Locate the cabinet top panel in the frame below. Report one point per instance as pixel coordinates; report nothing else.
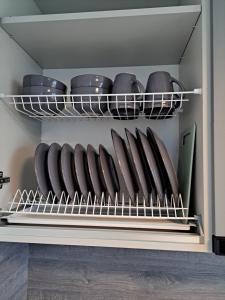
(72, 6)
(152, 36)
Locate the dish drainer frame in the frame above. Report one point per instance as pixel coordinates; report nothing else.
(106, 212)
(160, 105)
(30, 207)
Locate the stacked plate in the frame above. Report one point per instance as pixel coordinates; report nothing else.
(67, 171)
(145, 166)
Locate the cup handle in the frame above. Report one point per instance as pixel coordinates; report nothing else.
(140, 89)
(181, 86)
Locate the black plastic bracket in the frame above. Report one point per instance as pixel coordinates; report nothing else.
(219, 245)
(3, 180)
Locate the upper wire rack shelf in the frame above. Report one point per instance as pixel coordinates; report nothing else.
(117, 106)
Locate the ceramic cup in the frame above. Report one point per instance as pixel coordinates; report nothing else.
(161, 82)
(126, 107)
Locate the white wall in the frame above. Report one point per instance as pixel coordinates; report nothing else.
(18, 8)
(19, 135)
(98, 131)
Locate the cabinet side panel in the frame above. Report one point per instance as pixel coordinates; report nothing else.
(191, 76)
(19, 135)
(219, 114)
(195, 71)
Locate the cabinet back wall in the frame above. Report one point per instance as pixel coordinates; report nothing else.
(97, 132)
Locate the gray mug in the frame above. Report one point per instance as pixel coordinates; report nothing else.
(126, 107)
(161, 82)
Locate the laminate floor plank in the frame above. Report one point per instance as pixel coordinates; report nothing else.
(79, 253)
(58, 272)
(20, 294)
(13, 271)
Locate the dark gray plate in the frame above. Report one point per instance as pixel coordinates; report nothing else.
(94, 171)
(109, 172)
(81, 168)
(159, 161)
(152, 164)
(147, 171)
(55, 171)
(68, 170)
(168, 166)
(125, 165)
(41, 169)
(136, 156)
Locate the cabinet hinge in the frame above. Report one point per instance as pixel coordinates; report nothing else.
(3, 180)
(219, 245)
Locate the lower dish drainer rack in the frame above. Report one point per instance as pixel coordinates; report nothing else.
(30, 207)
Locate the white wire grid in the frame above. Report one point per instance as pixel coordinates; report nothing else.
(118, 106)
(32, 202)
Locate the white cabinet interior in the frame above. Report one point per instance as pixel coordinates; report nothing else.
(186, 57)
(105, 39)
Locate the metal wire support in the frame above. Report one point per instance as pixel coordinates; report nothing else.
(32, 202)
(117, 106)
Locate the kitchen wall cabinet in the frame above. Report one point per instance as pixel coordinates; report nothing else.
(26, 47)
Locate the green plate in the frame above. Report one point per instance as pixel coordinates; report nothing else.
(185, 166)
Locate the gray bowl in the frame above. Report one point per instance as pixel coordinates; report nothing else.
(40, 80)
(91, 80)
(52, 104)
(96, 105)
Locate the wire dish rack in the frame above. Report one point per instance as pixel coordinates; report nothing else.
(32, 207)
(117, 106)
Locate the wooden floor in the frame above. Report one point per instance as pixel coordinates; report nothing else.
(63, 272)
(43, 272)
(13, 271)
